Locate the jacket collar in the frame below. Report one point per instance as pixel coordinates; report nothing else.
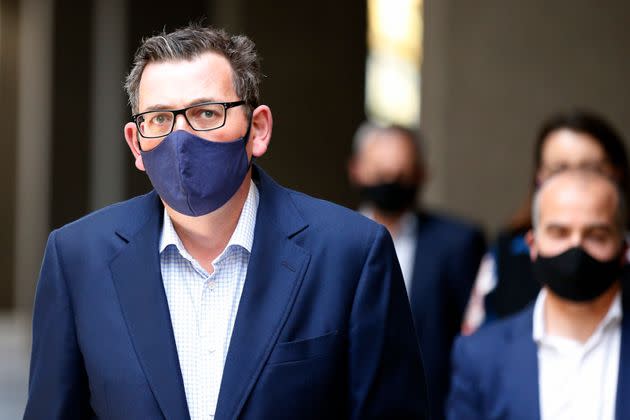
(138, 281)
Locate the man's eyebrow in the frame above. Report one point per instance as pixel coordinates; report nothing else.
(158, 107)
(556, 225)
(602, 226)
(164, 107)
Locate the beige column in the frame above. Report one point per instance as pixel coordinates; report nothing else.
(8, 93)
(109, 109)
(33, 145)
(493, 71)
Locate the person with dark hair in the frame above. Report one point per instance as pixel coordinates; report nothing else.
(439, 255)
(576, 139)
(220, 294)
(567, 356)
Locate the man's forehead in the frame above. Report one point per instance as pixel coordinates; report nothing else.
(386, 141)
(388, 155)
(579, 181)
(586, 223)
(576, 198)
(207, 75)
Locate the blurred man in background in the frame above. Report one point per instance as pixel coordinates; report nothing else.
(574, 139)
(568, 355)
(439, 256)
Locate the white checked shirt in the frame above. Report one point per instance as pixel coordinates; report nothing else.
(578, 380)
(203, 306)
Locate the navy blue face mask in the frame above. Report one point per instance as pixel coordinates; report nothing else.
(196, 176)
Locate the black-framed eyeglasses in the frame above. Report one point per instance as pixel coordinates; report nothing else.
(205, 116)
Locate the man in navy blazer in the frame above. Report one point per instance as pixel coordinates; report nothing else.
(567, 356)
(439, 255)
(315, 320)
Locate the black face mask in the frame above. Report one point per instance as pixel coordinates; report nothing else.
(391, 197)
(575, 275)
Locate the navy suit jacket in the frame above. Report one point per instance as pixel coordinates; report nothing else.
(323, 329)
(448, 253)
(495, 371)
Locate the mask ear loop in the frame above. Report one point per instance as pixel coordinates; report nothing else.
(139, 144)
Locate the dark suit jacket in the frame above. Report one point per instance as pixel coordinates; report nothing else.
(323, 329)
(495, 371)
(448, 254)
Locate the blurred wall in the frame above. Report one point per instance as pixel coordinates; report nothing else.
(33, 141)
(8, 95)
(493, 70)
(313, 56)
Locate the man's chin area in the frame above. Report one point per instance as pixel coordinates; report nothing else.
(182, 216)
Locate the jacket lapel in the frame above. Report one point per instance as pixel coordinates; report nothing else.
(138, 281)
(425, 265)
(521, 373)
(275, 272)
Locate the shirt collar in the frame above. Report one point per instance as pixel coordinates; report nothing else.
(243, 235)
(408, 225)
(613, 315)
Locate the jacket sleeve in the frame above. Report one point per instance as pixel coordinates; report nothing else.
(463, 400)
(386, 378)
(58, 387)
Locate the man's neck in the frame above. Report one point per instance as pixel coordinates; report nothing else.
(205, 237)
(577, 320)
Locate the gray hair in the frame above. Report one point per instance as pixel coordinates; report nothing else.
(585, 176)
(191, 41)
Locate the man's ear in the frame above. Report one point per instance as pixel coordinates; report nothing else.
(260, 132)
(533, 251)
(131, 136)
